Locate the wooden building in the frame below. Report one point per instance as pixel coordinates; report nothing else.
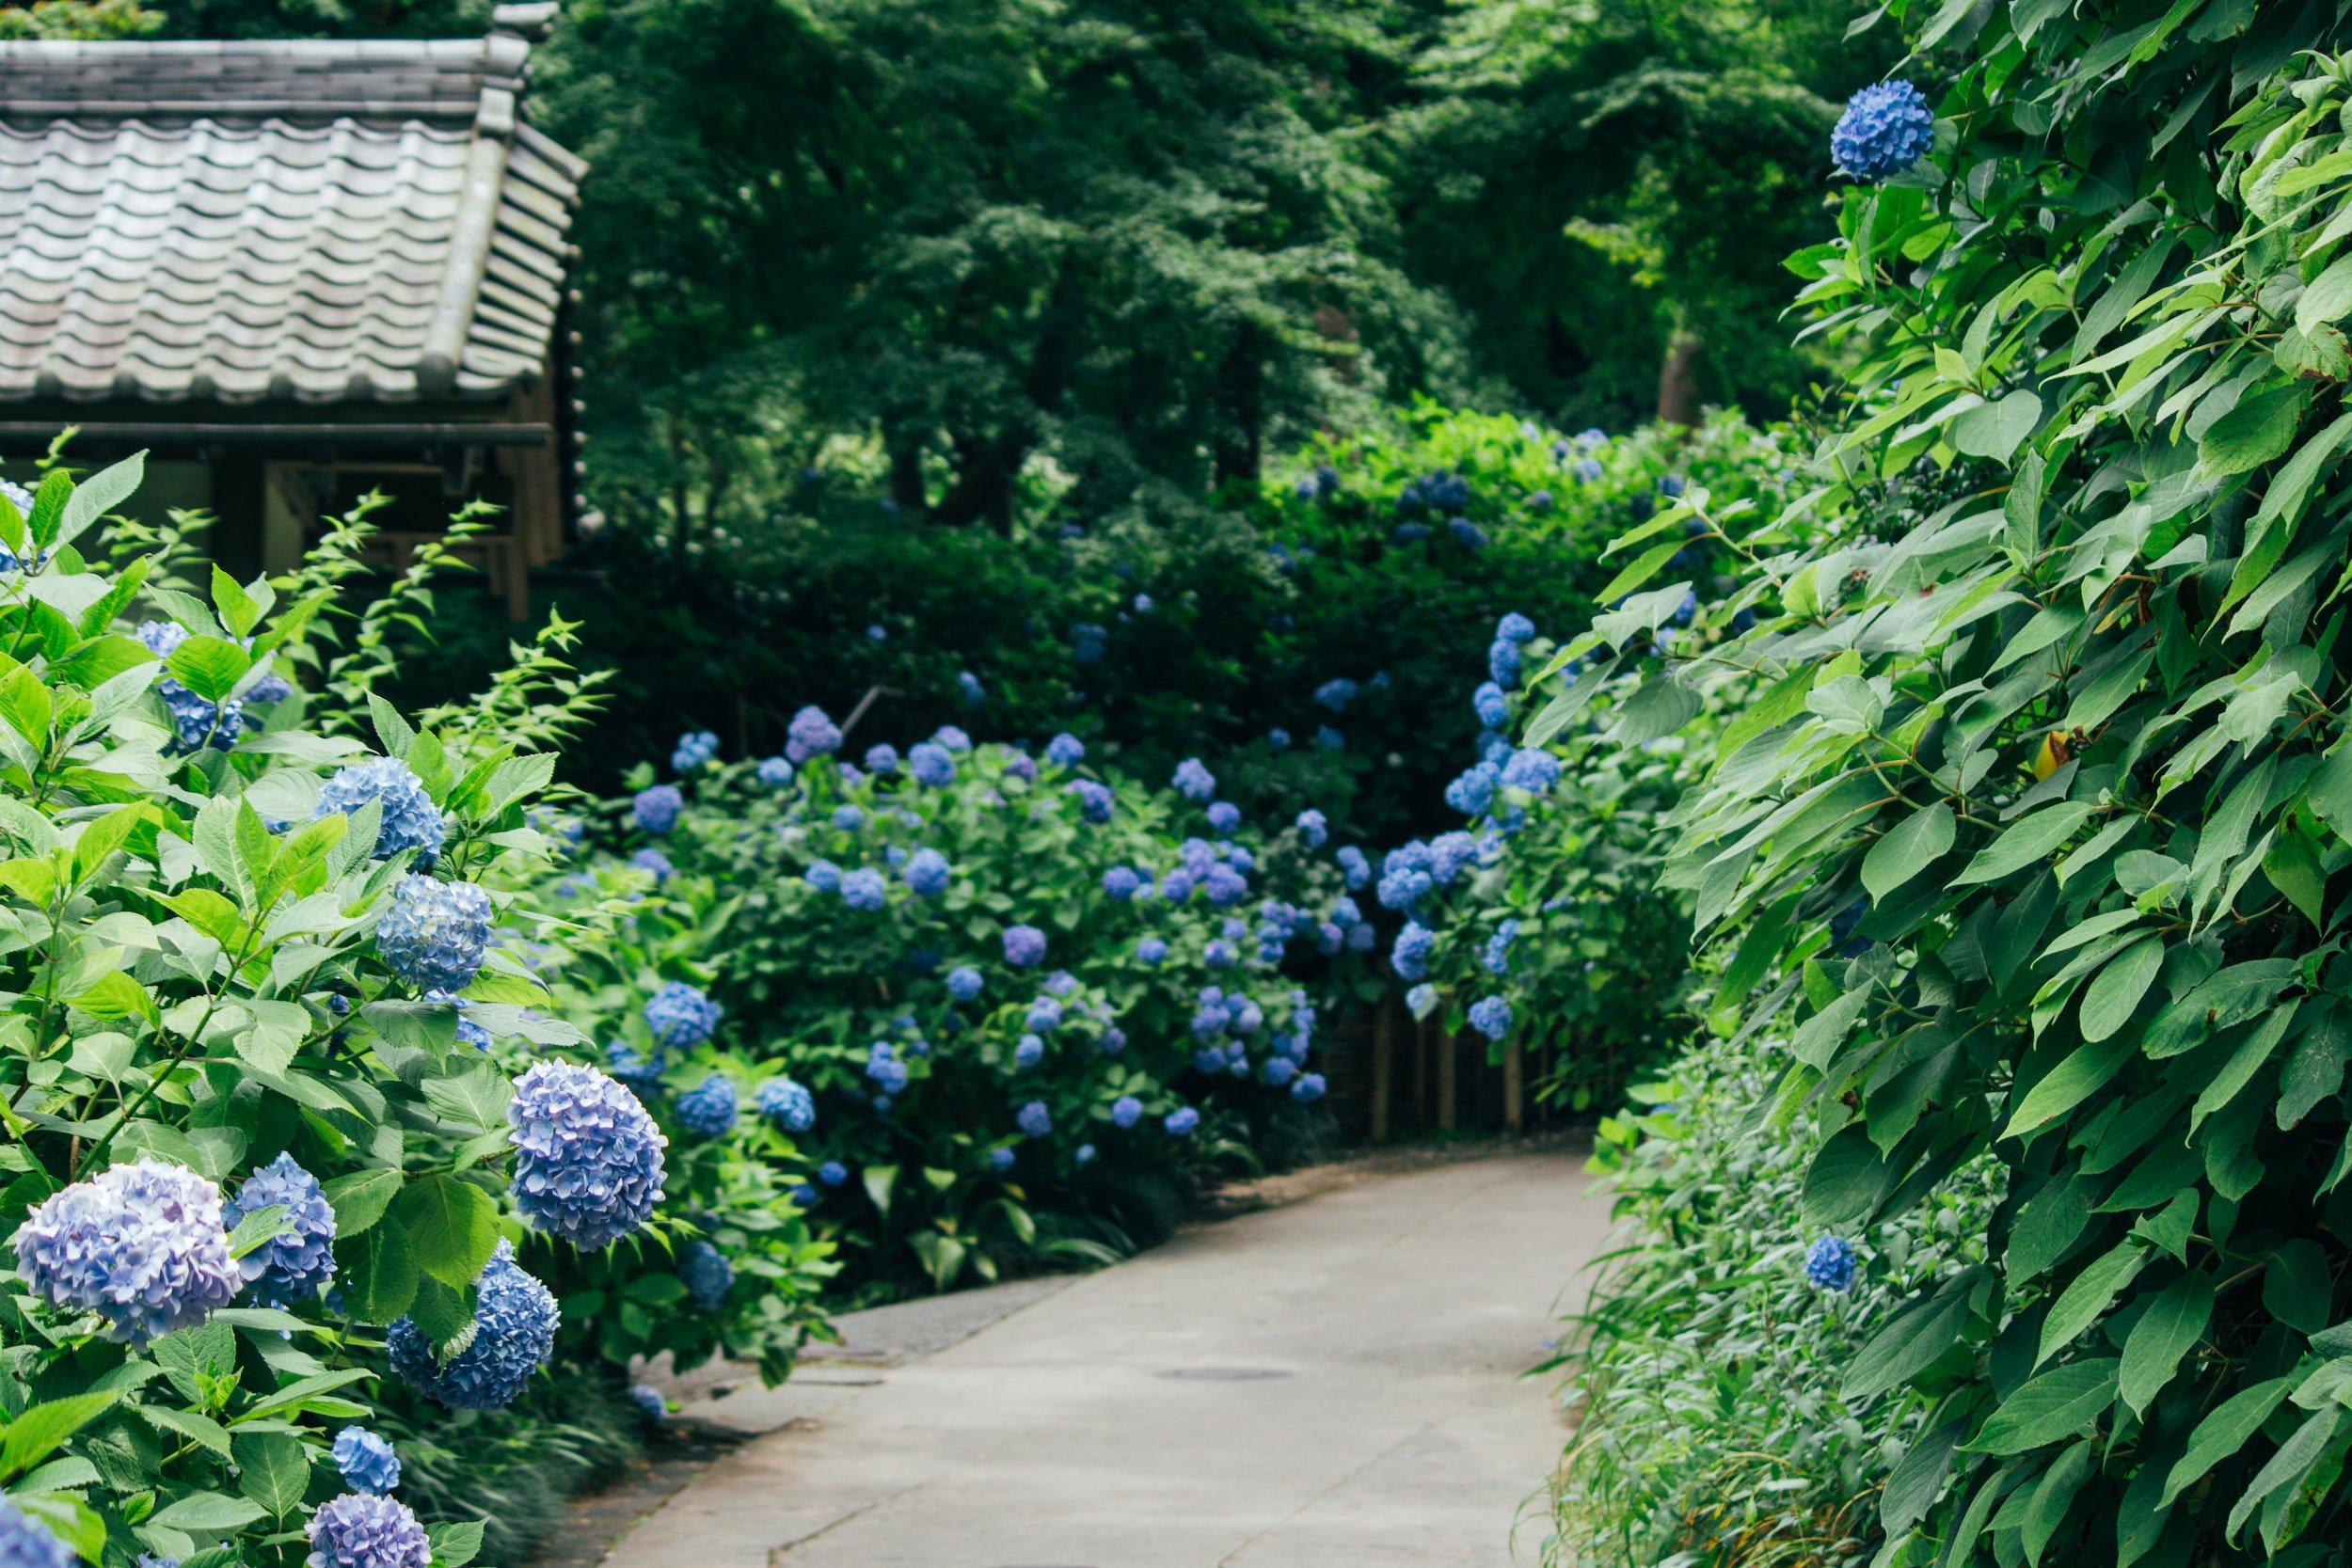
(295, 272)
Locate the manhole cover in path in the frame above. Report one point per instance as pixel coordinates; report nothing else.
(1221, 1374)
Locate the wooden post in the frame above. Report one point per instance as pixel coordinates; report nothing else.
(1383, 1053)
(1514, 1089)
(1449, 1076)
(1420, 1075)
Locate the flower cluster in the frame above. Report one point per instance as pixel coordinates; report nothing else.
(410, 822)
(514, 1333)
(705, 1274)
(25, 1541)
(681, 1016)
(366, 1461)
(588, 1161)
(434, 934)
(142, 1245)
(299, 1261)
(811, 734)
(362, 1529)
(708, 1110)
(1829, 1263)
(696, 748)
(788, 1104)
(1886, 129)
(655, 809)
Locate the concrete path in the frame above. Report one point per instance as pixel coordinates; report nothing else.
(1331, 1385)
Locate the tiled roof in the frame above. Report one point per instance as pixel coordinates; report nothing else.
(304, 220)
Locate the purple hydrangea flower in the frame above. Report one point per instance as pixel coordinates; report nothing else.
(1126, 1111)
(1065, 750)
(1354, 868)
(1034, 1120)
(775, 772)
(1491, 1017)
(927, 873)
(360, 1529)
(143, 1245)
(932, 765)
(298, 1262)
(811, 734)
(1224, 816)
(864, 890)
(588, 1163)
(1025, 946)
(434, 933)
(1314, 828)
(1151, 951)
(656, 810)
(1194, 782)
(411, 819)
(964, 982)
(1409, 957)
(513, 1321)
(1182, 1122)
(25, 1541)
(1095, 802)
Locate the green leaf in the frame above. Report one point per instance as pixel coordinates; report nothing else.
(237, 608)
(452, 1225)
(455, 1545)
(1996, 429)
(476, 1097)
(1907, 848)
(2298, 1286)
(209, 667)
(207, 1511)
(2257, 430)
(2168, 1330)
(97, 496)
(2223, 1432)
(2326, 298)
(275, 1470)
(2054, 1406)
(2087, 1296)
(1846, 1180)
(1915, 1484)
(1912, 1342)
(257, 1228)
(881, 1181)
(2053, 1498)
(2027, 842)
(379, 1273)
(442, 1313)
(1659, 708)
(360, 1198)
(2082, 1073)
(1640, 570)
(2114, 994)
(37, 1434)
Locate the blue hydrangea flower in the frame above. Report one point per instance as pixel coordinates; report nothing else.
(1027, 1052)
(1497, 957)
(1277, 1072)
(775, 772)
(1034, 1120)
(882, 757)
(1887, 128)
(1044, 1016)
(1409, 956)
(964, 982)
(25, 1541)
(1021, 766)
(1467, 533)
(811, 734)
(1587, 471)
(1474, 791)
(360, 1529)
(707, 1109)
(1493, 708)
(824, 876)
(1503, 663)
(863, 889)
(1330, 739)
(1491, 1017)
(833, 1173)
(1182, 1121)
(1151, 951)
(1308, 1089)
(705, 1272)
(1126, 1111)
(1515, 627)
(1421, 998)
(649, 1401)
(1354, 868)
(1066, 750)
(656, 810)
(883, 1066)
(932, 765)
(1194, 782)
(848, 819)
(696, 748)
(514, 1320)
(948, 737)
(638, 1073)
(1314, 828)
(1336, 693)
(969, 685)
(927, 873)
(787, 1104)
(298, 1262)
(1829, 1263)
(588, 1163)
(1405, 876)
(1176, 887)
(368, 1463)
(411, 819)
(680, 1016)
(1278, 741)
(1119, 883)
(1449, 855)
(653, 863)
(1224, 816)
(1025, 946)
(1224, 886)
(1535, 771)
(434, 933)
(1112, 1041)
(1095, 802)
(143, 1245)
(1087, 642)
(1000, 1159)
(1219, 954)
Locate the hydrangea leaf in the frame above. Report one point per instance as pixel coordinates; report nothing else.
(451, 1225)
(2056, 1404)
(274, 1470)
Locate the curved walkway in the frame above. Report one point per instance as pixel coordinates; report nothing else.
(1334, 1384)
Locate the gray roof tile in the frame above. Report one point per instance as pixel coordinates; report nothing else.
(237, 221)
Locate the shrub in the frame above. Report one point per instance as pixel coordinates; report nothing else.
(232, 1068)
(2037, 812)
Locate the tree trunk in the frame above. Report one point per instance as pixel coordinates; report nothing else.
(1240, 412)
(1677, 382)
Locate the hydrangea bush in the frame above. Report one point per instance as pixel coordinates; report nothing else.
(256, 1076)
(953, 1003)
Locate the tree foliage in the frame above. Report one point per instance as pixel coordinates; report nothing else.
(2067, 757)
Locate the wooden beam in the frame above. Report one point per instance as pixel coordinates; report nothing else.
(452, 434)
(1383, 1058)
(1449, 1084)
(1514, 1088)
